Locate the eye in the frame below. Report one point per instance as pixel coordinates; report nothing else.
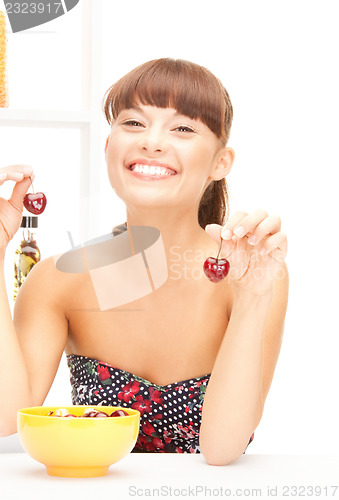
(132, 123)
(184, 128)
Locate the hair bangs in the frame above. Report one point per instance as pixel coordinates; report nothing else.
(187, 87)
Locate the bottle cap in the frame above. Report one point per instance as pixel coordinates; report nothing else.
(29, 222)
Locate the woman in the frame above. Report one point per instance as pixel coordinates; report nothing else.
(196, 358)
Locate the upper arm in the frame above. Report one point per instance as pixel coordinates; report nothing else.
(41, 326)
(274, 329)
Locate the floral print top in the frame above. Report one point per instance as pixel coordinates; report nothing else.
(170, 415)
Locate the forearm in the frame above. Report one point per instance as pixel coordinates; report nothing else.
(233, 400)
(14, 382)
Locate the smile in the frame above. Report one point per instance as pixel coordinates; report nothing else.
(153, 172)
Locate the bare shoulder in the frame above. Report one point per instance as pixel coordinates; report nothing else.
(47, 284)
(44, 272)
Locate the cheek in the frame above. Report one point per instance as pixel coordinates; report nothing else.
(113, 163)
(112, 149)
(201, 161)
(119, 146)
(114, 152)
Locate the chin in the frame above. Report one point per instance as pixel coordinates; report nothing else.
(147, 199)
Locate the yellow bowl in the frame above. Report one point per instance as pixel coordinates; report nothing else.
(77, 447)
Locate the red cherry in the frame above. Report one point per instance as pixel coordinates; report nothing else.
(35, 202)
(216, 269)
(101, 414)
(90, 414)
(119, 413)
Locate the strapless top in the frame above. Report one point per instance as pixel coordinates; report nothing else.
(170, 415)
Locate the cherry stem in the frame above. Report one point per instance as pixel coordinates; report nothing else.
(32, 184)
(219, 247)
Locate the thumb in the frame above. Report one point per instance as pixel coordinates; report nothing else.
(19, 191)
(214, 230)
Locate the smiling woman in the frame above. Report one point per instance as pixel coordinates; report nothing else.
(191, 91)
(187, 145)
(196, 358)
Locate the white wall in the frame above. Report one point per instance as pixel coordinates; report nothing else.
(279, 64)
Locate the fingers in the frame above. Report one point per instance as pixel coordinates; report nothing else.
(214, 231)
(227, 230)
(276, 246)
(23, 176)
(270, 225)
(15, 173)
(262, 231)
(255, 226)
(19, 191)
(227, 248)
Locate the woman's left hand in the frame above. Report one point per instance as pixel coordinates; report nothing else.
(255, 248)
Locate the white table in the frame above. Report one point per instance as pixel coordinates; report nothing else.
(157, 475)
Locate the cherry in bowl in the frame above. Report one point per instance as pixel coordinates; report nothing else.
(73, 445)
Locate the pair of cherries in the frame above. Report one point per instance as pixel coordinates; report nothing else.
(35, 202)
(215, 269)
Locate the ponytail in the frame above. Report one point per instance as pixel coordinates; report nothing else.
(214, 204)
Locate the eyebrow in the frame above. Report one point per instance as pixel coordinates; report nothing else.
(137, 108)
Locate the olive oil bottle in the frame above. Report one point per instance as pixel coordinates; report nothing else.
(27, 254)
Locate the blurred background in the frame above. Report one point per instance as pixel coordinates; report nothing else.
(277, 61)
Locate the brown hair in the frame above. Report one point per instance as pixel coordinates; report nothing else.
(193, 91)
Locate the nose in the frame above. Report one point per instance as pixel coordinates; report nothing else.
(153, 140)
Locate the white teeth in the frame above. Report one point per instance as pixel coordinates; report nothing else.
(150, 170)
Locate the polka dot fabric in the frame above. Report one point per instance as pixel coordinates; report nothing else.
(170, 415)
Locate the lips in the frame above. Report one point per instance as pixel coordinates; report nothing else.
(151, 163)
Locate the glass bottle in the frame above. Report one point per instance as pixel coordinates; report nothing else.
(27, 254)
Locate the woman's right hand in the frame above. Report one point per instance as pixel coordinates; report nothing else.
(11, 210)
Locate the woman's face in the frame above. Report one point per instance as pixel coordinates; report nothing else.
(147, 136)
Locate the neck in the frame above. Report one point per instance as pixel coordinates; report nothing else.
(186, 243)
(176, 229)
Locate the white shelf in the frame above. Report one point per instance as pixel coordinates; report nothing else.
(88, 119)
(44, 118)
